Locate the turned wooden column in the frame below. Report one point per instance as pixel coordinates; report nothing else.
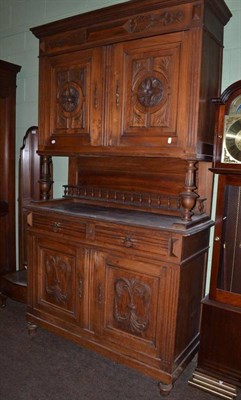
(189, 196)
(45, 177)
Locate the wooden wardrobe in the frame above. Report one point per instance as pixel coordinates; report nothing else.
(118, 265)
(8, 74)
(31, 179)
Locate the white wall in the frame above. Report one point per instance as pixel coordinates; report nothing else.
(18, 45)
(232, 45)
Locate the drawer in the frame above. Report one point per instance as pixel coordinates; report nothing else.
(59, 225)
(133, 239)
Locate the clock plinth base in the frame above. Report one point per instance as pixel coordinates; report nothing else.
(220, 345)
(213, 386)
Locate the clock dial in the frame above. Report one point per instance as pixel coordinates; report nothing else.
(231, 153)
(227, 150)
(233, 139)
(235, 106)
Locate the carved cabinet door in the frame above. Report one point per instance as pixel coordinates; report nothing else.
(127, 298)
(146, 91)
(71, 101)
(56, 269)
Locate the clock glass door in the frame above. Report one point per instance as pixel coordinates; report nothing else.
(229, 276)
(226, 277)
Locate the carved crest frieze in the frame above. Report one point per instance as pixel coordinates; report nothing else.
(132, 300)
(143, 23)
(70, 39)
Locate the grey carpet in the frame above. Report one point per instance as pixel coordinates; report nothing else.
(48, 367)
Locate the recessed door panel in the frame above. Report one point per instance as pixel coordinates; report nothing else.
(127, 295)
(56, 285)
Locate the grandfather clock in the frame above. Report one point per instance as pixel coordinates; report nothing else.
(219, 360)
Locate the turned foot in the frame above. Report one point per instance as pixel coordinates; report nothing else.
(165, 388)
(32, 328)
(3, 300)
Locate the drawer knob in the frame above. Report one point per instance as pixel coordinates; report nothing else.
(56, 226)
(128, 242)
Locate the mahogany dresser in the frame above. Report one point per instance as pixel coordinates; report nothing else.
(118, 264)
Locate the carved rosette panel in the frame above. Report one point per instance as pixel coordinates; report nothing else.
(132, 300)
(71, 99)
(150, 92)
(58, 279)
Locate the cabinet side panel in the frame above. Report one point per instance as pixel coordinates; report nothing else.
(189, 305)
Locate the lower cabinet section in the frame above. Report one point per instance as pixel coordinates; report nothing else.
(143, 311)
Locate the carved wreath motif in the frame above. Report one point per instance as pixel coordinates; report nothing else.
(57, 278)
(69, 98)
(132, 305)
(150, 92)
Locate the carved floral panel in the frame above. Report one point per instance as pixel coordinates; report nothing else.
(132, 305)
(151, 75)
(57, 279)
(149, 97)
(150, 91)
(71, 98)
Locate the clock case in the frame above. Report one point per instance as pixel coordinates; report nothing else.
(219, 363)
(225, 284)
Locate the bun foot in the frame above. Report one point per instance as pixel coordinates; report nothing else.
(32, 328)
(3, 300)
(165, 389)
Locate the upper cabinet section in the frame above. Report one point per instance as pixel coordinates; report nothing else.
(132, 79)
(71, 97)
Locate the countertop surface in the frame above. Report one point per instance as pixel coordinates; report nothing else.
(121, 216)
